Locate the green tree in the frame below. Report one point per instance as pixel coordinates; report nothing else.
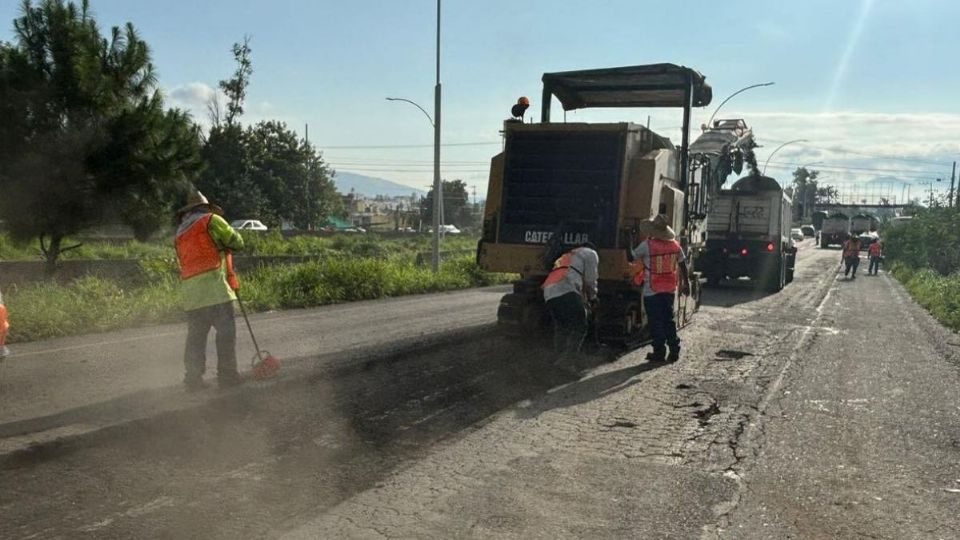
(296, 183)
(804, 192)
(455, 199)
(85, 137)
(265, 171)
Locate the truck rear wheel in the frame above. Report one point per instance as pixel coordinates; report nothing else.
(823, 243)
(775, 277)
(791, 263)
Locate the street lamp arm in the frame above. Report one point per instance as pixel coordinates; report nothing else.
(765, 163)
(425, 113)
(722, 103)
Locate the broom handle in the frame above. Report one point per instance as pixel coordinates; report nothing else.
(250, 328)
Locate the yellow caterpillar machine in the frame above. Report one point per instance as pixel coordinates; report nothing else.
(577, 182)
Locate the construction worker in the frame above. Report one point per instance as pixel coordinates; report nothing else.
(665, 270)
(851, 256)
(202, 238)
(876, 254)
(568, 289)
(4, 329)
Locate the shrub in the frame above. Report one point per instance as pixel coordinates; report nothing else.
(93, 304)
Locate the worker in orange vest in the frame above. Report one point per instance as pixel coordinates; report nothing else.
(876, 254)
(569, 288)
(665, 272)
(4, 328)
(203, 237)
(851, 256)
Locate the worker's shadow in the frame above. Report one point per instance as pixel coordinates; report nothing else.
(586, 390)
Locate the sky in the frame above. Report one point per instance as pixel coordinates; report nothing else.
(871, 84)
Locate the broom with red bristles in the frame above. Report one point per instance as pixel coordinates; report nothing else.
(262, 367)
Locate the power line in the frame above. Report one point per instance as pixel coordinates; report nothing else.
(381, 146)
(914, 159)
(870, 169)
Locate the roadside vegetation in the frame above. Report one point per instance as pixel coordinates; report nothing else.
(93, 304)
(257, 244)
(925, 257)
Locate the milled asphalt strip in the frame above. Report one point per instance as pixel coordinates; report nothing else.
(753, 428)
(85, 422)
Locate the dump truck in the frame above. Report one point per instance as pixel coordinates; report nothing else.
(862, 223)
(836, 229)
(568, 183)
(748, 234)
(817, 219)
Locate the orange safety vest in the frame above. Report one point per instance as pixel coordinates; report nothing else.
(638, 275)
(196, 249)
(664, 263)
(4, 325)
(851, 249)
(560, 269)
(875, 249)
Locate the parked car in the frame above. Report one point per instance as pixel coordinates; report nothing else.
(4, 329)
(808, 231)
(796, 235)
(449, 229)
(248, 225)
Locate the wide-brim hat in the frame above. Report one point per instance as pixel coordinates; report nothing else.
(197, 200)
(657, 228)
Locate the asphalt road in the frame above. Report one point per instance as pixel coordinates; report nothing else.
(788, 416)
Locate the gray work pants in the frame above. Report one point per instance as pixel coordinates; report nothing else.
(199, 322)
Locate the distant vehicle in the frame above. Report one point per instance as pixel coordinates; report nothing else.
(818, 218)
(866, 239)
(248, 225)
(748, 234)
(835, 230)
(4, 328)
(360, 230)
(797, 235)
(862, 223)
(899, 220)
(448, 229)
(808, 231)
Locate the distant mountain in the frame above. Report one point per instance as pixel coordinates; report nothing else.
(371, 186)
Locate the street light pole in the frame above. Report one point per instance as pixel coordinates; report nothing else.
(710, 122)
(437, 197)
(437, 187)
(765, 163)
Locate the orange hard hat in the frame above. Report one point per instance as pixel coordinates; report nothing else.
(523, 101)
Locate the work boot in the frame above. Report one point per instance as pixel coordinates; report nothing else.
(229, 381)
(673, 356)
(195, 385)
(654, 357)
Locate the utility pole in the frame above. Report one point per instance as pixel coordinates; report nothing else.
(306, 185)
(953, 176)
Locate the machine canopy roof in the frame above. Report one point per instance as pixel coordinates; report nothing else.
(654, 85)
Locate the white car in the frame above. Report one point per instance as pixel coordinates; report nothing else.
(248, 225)
(797, 235)
(449, 229)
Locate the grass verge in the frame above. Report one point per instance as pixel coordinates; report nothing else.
(938, 294)
(93, 304)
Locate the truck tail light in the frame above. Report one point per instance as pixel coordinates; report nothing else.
(743, 252)
(770, 247)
